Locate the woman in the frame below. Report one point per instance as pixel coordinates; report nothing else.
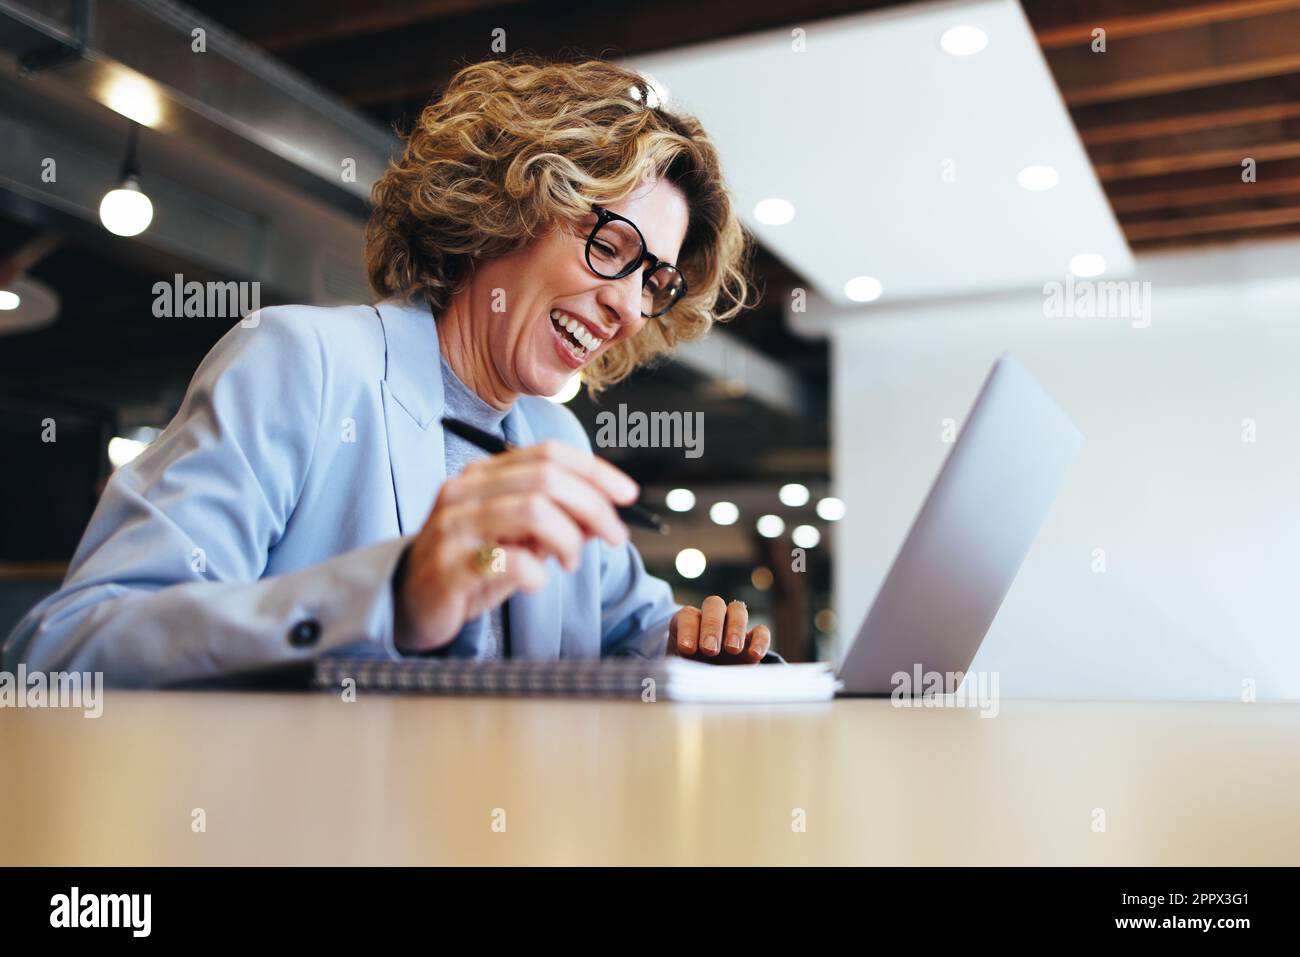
(543, 221)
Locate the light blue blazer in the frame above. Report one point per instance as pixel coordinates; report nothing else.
(264, 523)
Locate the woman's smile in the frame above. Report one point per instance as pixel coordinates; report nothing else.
(575, 342)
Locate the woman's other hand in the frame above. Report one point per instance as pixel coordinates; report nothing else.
(718, 632)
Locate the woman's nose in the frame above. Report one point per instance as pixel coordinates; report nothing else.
(620, 299)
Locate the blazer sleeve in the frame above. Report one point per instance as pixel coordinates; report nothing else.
(165, 585)
(635, 605)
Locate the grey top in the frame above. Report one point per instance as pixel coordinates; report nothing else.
(464, 404)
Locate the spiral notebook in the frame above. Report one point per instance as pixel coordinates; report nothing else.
(671, 678)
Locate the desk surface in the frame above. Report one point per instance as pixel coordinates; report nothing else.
(300, 779)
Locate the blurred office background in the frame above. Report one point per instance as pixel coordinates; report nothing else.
(915, 176)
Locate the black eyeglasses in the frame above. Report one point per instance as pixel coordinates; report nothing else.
(616, 249)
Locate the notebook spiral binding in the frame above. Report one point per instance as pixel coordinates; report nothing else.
(603, 679)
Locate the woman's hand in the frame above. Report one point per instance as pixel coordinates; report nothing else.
(718, 633)
(532, 503)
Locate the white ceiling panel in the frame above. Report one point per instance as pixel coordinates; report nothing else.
(901, 160)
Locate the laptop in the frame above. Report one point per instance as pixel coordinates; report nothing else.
(968, 542)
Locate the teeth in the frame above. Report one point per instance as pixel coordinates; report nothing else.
(576, 329)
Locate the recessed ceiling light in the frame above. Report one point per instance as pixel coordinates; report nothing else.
(964, 40)
(793, 494)
(774, 212)
(1038, 178)
(9, 300)
(724, 513)
(770, 526)
(691, 563)
(1087, 264)
(830, 509)
(806, 536)
(680, 499)
(863, 289)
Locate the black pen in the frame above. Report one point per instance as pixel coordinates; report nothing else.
(634, 514)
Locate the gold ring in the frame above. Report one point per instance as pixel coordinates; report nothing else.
(489, 560)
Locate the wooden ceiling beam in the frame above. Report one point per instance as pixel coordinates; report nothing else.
(1190, 58)
(1115, 121)
(1059, 25)
(1190, 123)
(1161, 165)
(1211, 207)
(1202, 188)
(1229, 147)
(1161, 244)
(1217, 223)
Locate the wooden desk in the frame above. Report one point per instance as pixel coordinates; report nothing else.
(297, 779)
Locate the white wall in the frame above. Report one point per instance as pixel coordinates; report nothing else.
(1201, 530)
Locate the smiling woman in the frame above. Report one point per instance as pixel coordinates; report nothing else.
(516, 149)
(542, 221)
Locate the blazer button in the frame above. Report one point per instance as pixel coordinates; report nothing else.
(304, 633)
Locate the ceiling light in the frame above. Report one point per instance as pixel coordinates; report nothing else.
(724, 513)
(133, 96)
(806, 536)
(830, 509)
(863, 289)
(793, 495)
(126, 210)
(691, 563)
(27, 304)
(1087, 264)
(770, 526)
(680, 500)
(774, 212)
(1038, 178)
(963, 41)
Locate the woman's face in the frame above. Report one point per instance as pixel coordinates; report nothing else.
(526, 295)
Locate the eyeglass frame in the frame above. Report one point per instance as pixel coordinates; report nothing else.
(604, 217)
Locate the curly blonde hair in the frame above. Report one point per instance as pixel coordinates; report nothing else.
(519, 146)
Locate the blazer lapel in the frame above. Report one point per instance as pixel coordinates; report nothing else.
(534, 618)
(413, 403)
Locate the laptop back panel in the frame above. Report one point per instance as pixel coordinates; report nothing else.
(970, 538)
